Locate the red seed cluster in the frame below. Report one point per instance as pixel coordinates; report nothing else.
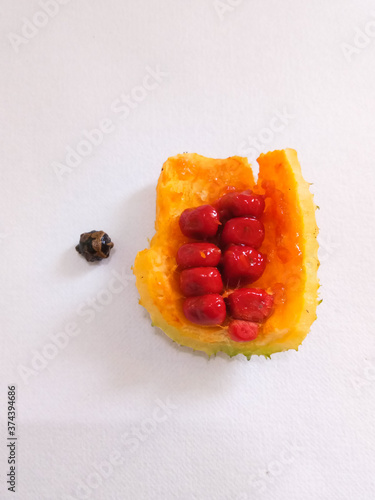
(228, 256)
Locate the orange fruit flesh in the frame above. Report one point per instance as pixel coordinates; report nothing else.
(190, 180)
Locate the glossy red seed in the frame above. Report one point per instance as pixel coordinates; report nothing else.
(243, 264)
(243, 331)
(198, 255)
(243, 231)
(199, 223)
(208, 310)
(250, 304)
(244, 204)
(200, 281)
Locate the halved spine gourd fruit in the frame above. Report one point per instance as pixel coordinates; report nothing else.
(238, 275)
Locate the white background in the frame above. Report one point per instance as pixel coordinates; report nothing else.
(298, 427)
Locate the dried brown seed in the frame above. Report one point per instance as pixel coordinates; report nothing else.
(94, 246)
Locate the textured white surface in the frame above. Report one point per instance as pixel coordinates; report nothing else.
(300, 426)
